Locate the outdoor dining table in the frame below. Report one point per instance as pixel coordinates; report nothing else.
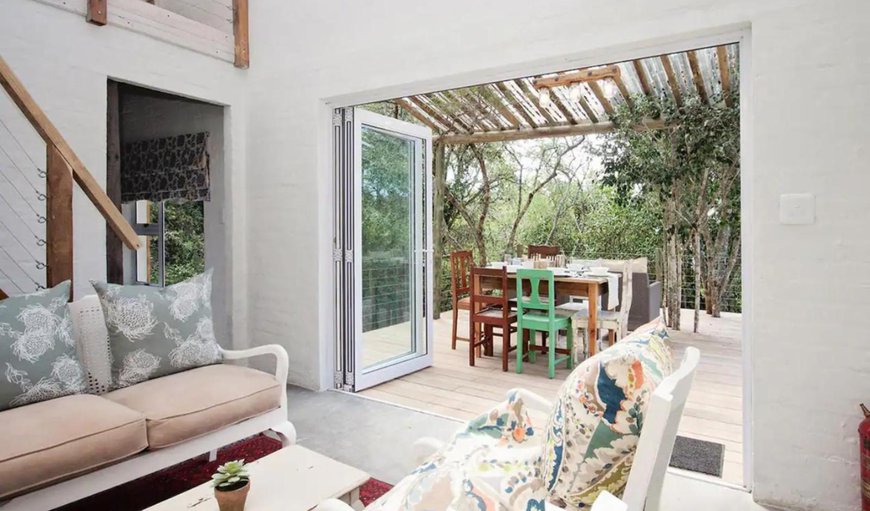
(584, 286)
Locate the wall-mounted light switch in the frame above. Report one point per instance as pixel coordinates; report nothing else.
(797, 208)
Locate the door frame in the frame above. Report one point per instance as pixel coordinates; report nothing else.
(740, 33)
(352, 375)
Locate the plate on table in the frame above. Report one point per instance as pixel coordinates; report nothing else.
(559, 271)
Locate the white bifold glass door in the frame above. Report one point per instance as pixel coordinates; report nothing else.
(383, 268)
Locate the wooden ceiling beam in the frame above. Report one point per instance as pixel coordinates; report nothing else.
(641, 75)
(502, 106)
(451, 126)
(581, 76)
(724, 73)
(530, 95)
(419, 116)
(242, 46)
(515, 102)
(697, 77)
(560, 105)
(672, 79)
(623, 89)
(599, 94)
(98, 12)
(546, 132)
(459, 105)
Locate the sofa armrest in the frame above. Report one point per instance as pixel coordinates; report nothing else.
(282, 362)
(334, 505)
(608, 502)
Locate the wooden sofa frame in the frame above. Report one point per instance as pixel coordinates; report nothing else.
(148, 462)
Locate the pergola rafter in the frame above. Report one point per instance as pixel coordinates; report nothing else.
(512, 109)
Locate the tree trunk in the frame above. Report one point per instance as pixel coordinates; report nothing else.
(438, 227)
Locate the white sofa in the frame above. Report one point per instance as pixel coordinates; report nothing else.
(59, 451)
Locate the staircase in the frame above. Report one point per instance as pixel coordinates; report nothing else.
(35, 228)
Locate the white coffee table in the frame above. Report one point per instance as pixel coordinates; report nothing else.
(291, 479)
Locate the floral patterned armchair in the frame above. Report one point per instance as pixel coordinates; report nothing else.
(610, 432)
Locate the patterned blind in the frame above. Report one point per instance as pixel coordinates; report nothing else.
(174, 167)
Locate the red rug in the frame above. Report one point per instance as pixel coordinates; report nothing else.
(159, 486)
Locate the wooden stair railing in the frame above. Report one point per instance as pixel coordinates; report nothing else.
(63, 167)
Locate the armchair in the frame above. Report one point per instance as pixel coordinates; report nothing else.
(642, 491)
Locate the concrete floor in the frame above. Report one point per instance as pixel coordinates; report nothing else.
(363, 433)
(377, 437)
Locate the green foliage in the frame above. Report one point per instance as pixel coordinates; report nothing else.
(185, 241)
(231, 475)
(386, 192)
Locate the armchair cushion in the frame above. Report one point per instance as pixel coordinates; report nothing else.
(489, 465)
(593, 433)
(155, 332)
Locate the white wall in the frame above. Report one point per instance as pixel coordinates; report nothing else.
(65, 63)
(810, 71)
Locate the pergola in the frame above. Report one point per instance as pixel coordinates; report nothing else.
(513, 110)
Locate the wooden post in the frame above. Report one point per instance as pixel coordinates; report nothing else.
(114, 246)
(240, 33)
(98, 12)
(3, 295)
(438, 225)
(59, 218)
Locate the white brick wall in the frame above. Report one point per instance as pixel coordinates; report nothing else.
(809, 131)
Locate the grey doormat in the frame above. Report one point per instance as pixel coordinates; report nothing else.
(698, 456)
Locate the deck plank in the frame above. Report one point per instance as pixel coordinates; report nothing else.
(452, 388)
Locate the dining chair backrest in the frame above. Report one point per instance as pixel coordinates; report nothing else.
(461, 262)
(625, 304)
(481, 296)
(532, 279)
(543, 251)
(656, 444)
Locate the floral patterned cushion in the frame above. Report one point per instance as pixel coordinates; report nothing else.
(155, 331)
(37, 351)
(489, 465)
(593, 433)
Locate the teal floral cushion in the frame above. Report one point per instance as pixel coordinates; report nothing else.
(37, 350)
(594, 430)
(156, 331)
(489, 465)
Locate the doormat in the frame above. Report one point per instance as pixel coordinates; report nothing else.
(698, 456)
(159, 486)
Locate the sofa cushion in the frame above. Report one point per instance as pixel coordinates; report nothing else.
(593, 433)
(47, 442)
(193, 403)
(37, 352)
(158, 331)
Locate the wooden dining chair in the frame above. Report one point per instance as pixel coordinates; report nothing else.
(543, 251)
(461, 262)
(491, 314)
(537, 313)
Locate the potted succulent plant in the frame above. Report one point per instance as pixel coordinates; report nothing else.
(231, 485)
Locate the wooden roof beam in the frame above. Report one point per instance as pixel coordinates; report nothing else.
(516, 103)
(623, 89)
(417, 115)
(560, 105)
(502, 106)
(697, 77)
(530, 95)
(599, 94)
(584, 75)
(641, 75)
(458, 103)
(452, 126)
(546, 132)
(672, 79)
(725, 73)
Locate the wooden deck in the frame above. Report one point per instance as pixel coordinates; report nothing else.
(452, 388)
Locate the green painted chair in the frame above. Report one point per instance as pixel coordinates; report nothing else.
(538, 314)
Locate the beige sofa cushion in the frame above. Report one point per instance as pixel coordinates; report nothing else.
(47, 442)
(639, 265)
(193, 403)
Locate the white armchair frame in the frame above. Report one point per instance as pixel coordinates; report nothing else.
(644, 487)
(148, 462)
